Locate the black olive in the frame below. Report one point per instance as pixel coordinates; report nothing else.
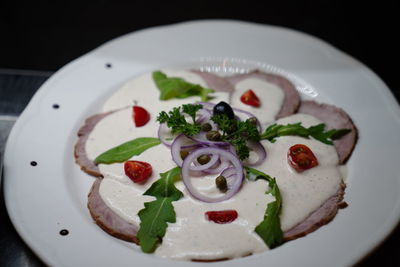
(221, 184)
(206, 127)
(224, 108)
(203, 159)
(213, 136)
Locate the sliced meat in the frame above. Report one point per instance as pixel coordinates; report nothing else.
(215, 82)
(81, 157)
(116, 226)
(291, 100)
(334, 117)
(323, 215)
(107, 219)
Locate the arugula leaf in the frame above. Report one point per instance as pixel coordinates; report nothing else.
(237, 133)
(164, 187)
(177, 122)
(317, 131)
(156, 214)
(172, 87)
(154, 218)
(270, 228)
(127, 150)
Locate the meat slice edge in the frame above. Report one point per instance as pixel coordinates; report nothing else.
(323, 215)
(107, 219)
(116, 226)
(291, 101)
(81, 158)
(215, 82)
(337, 118)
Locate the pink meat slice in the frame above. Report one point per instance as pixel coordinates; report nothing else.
(291, 100)
(323, 215)
(337, 118)
(81, 158)
(116, 226)
(107, 219)
(215, 82)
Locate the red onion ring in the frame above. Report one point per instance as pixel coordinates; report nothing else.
(259, 149)
(185, 172)
(228, 172)
(203, 115)
(163, 131)
(202, 139)
(223, 164)
(177, 146)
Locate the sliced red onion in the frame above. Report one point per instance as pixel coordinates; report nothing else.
(164, 133)
(202, 138)
(199, 167)
(234, 187)
(223, 164)
(179, 143)
(259, 149)
(207, 105)
(228, 172)
(203, 115)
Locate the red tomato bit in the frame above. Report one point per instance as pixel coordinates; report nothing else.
(250, 98)
(301, 158)
(222, 216)
(138, 171)
(140, 116)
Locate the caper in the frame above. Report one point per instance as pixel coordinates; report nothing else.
(203, 159)
(223, 108)
(213, 136)
(184, 154)
(206, 127)
(221, 184)
(253, 120)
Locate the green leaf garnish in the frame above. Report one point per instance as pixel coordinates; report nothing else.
(237, 133)
(176, 120)
(270, 227)
(164, 187)
(173, 87)
(156, 214)
(154, 218)
(317, 131)
(127, 150)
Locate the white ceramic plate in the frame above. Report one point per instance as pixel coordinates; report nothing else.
(51, 196)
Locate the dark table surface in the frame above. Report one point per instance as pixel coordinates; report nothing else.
(45, 36)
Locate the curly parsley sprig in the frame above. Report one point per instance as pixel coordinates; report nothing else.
(237, 133)
(176, 120)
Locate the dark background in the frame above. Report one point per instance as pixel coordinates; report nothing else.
(47, 35)
(44, 36)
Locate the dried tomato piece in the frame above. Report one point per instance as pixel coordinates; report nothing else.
(250, 98)
(301, 158)
(138, 171)
(222, 216)
(140, 116)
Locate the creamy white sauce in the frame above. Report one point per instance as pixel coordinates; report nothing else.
(192, 236)
(271, 98)
(143, 91)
